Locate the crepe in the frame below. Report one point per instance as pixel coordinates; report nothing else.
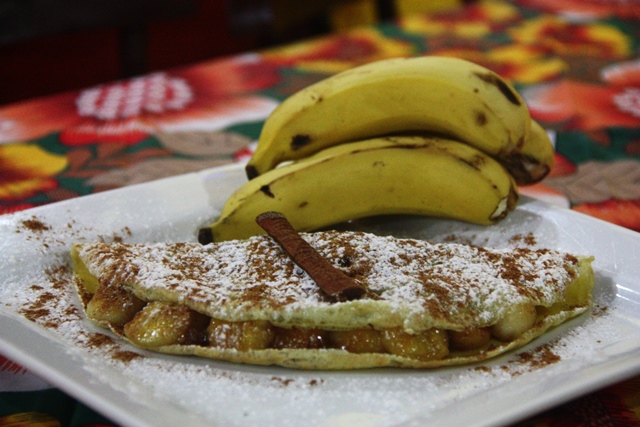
(426, 304)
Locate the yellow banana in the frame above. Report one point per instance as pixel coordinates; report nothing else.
(421, 175)
(442, 95)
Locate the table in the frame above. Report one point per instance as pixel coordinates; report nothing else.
(576, 63)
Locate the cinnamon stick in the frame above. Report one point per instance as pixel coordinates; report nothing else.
(331, 280)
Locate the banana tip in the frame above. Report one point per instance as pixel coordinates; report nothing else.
(205, 236)
(251, 171)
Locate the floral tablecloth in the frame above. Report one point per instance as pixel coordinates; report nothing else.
(576, 63)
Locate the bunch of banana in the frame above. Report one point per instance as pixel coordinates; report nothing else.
(426, 175)
(443, 95)
(431, 136)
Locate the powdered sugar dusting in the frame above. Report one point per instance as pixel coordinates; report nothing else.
(254, 279)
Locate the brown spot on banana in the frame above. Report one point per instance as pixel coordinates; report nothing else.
(251, 172)
(303, 204)
(205, 236)
(267, 191)
(476, 162)
(299, 141)
(481, 118)
(503, 87)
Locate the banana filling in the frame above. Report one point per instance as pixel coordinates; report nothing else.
(426, 304)
(158, 324)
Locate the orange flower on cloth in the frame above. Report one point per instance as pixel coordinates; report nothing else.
(517, 63)
(587, 106)
(27, 169)
(587, 9)
(208, 96)
(573, 39)
(625, 213)
(338, 52)
(473, 21)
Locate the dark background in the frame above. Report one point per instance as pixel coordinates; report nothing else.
(50, 46)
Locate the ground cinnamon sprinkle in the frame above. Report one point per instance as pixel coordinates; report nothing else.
(37, 310)
(283, 381)
(532, 360)
(58, 276)
(454, 238)
(125, 356)
(34, 313)
(44, 299)
(116, 237)
(102, 341)
(599, 310)
(528, 239)
(99, 340)
(540, 357)
(72, 312)
(34, 224)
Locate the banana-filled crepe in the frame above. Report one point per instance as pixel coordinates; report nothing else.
(417, 304)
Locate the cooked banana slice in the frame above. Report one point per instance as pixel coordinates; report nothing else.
(161, 323)
(113, 305)
(242, 336)
(429, 345)
(516, 321)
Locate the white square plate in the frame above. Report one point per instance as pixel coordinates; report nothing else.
(594, 350)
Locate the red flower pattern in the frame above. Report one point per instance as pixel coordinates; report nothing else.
(204, 97)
